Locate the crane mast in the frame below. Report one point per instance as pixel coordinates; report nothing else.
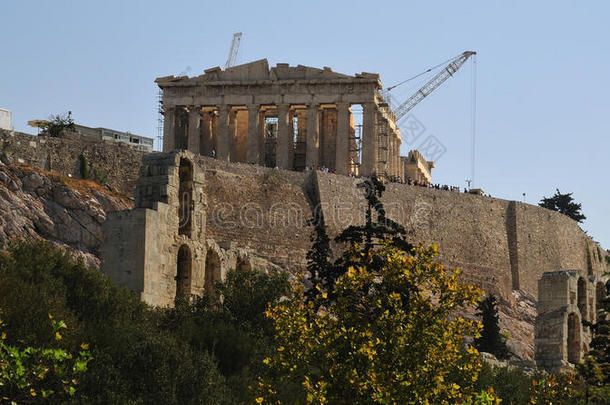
(234, 49)
(431, 85)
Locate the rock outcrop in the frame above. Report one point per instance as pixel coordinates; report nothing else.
(37, 204)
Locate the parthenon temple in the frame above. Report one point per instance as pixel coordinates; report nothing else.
(288, 117)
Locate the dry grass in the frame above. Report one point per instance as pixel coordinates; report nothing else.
(84, 187)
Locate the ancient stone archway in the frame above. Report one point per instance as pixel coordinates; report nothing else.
(185, 196)
(212, 271)
(600, 294)
(573, 338)
(582, 298)
(183, 272)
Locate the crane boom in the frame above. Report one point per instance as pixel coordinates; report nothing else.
(432, 84)
(234, 49)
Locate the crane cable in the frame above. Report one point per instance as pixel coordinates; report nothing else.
(473, 122)
(423, 73)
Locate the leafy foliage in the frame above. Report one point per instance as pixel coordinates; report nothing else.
(231, 325)
(514, 385)
(490, 341)
(138, 356)
(58, 123)
(377, 226)
(565, 204)
(387, 335)
(595, 369)
(377, 229)
(29, 373)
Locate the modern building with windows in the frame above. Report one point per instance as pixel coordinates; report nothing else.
(113, 135)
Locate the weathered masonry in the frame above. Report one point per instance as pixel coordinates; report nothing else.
(567, 301)
(287, 117)
(159, 248)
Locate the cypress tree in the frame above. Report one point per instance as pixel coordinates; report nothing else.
(491, 341)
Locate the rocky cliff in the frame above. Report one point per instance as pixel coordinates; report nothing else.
(37, 204)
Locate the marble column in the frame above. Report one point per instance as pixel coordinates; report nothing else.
(253, 153)
(262, 136)
(169, 135)
(397, 155)
(369, 139)
(194, 128)
(312, 154)
(233, 135)
(391, 167)
(284, 138)
(222, 137)
(342, 139)
(206, 143)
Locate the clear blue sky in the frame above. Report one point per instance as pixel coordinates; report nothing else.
(543, 119)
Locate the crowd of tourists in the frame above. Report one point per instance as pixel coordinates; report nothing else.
(411, 182)
(400, 180)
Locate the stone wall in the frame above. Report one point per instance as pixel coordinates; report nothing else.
(117, 162)
(499, 244)
(161, 248)
(258, 209)
(257, 212)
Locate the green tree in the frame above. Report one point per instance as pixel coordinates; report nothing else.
(135, 360)
(322, 271)
(595, 369)
(85, 171)
(565, 204)
(491, 340)
(58, 123)
(231, 325)
(379, 326)
(33, 374)
(387, 337)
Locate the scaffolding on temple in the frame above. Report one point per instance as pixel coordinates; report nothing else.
(160, 120)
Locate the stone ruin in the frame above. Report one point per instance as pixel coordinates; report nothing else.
(566, 301)
(159, 248)
(290, 117)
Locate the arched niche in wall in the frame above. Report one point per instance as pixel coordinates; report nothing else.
(212, 271)
(600, 294)
(573, 338)
(184, 272)
(581, 298)
(185, 197)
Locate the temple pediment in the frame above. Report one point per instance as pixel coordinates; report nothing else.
(259, 70)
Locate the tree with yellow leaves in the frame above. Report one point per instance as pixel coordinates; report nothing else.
(387, 337)
(383, 331)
